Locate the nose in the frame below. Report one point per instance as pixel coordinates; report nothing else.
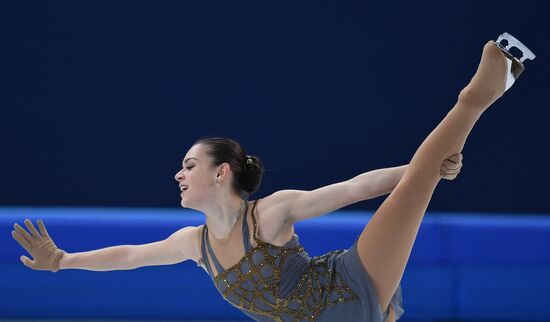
(179, 175)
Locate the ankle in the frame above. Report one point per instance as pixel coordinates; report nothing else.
(469, 97)
(474, 97)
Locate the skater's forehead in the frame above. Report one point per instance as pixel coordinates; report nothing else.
(195, 153)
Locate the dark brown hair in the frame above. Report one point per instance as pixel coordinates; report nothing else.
(247, 169)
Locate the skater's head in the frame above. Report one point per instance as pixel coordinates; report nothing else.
(215, 166)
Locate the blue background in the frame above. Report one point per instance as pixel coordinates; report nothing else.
(101, 100)
(462, 267)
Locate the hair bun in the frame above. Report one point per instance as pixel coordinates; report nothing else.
(252, 173)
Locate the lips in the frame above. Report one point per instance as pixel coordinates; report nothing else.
(183, 189)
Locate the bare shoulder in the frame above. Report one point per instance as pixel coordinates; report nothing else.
(273, 220)
(188, 239)
(279, 202)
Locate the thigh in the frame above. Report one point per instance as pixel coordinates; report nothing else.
(386, 242)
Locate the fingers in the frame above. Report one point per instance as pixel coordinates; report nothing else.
(31, 228)
(22, 241)
(453, 162)
(449, 176)
(27, 262)
(451, 166)
(43, 229)
(23, 233)
(444, 171)
(455, 158)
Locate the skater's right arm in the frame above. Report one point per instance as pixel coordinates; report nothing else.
(46, 255)
(172, 250)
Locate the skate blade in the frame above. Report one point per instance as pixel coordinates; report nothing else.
(513, 42)
(515, 64)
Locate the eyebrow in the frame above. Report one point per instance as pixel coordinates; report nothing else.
(189, 159)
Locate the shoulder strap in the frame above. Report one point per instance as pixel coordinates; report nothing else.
(246, 237)
(254, 235)
(206, 242)
(204, 257)
(201, 260)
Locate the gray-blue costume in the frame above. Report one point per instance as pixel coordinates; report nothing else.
(272, 283)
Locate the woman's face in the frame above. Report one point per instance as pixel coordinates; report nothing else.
(197, 178)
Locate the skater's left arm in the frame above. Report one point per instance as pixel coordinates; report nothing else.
(378, 182)
(298, 205)
(382, 181)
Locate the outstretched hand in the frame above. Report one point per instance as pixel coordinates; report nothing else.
(451, 167)
(46, 255)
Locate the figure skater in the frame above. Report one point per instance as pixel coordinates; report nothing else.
(254, 257)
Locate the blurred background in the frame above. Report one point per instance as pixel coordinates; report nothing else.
(101, 100)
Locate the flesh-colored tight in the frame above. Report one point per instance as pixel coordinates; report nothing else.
(386, 242)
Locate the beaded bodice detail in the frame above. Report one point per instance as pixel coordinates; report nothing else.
(256, 284)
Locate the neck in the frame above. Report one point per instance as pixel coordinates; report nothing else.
(222, 217)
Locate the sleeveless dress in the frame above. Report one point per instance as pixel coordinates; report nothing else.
(273, 283)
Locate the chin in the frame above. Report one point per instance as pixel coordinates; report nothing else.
(185, 204)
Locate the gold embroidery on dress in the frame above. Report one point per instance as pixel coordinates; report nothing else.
(307, 300)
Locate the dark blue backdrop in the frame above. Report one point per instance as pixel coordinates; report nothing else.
(101, 100)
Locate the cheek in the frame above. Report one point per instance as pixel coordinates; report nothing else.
(202, 181)
(201, 190)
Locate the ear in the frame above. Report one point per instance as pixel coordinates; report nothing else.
(223, 170)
